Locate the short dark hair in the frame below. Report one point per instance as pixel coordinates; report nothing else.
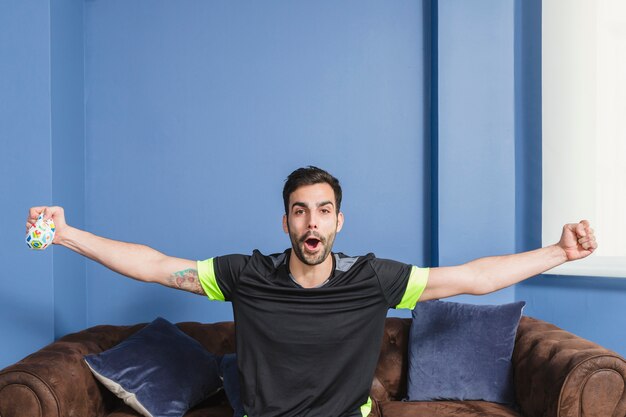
(308, 176)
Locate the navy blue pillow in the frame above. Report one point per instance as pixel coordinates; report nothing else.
(462, 351)
(159, 371)
(230, 374)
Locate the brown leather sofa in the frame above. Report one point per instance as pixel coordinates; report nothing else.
(557, 374)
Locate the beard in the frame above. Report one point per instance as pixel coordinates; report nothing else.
(325, 244)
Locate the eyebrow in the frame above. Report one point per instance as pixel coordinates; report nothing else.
(305, 205)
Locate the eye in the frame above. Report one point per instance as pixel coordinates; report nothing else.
(299, 211)
(325, 211)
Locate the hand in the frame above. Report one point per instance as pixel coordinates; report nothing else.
(577, 240)
(55, 213)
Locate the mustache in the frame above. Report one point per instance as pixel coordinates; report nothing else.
(311, 234)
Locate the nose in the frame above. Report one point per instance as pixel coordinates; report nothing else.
(312, 221)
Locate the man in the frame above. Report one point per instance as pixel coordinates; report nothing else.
(309, 322)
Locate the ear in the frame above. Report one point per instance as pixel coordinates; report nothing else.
(285, 226)
(339, 221)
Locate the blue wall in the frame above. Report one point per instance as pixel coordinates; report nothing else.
(197, 111)
(26, 280)
(68, 157)
(175, 124)
(476, 139)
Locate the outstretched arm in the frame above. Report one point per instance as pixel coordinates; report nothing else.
(133, 260)
(486, 275)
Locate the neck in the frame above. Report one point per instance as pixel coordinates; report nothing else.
(310, 276)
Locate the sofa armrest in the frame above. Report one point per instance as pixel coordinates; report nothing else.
(557, 373)
(55, 381)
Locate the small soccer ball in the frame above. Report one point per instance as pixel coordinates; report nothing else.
(40, 235)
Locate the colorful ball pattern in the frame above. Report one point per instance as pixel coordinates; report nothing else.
(40, 235)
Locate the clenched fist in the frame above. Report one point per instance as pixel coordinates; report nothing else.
(55, 213)
(578, 240)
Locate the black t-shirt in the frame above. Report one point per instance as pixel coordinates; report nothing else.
(309, 352)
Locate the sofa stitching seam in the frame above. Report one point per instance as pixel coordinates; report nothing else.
(29, 389)
(574, 369)
(56, 399)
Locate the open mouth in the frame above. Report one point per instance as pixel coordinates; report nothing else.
(311, 243)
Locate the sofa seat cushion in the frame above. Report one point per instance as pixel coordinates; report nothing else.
(445, 409)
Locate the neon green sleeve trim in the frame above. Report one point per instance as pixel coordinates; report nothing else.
(206, 273)
(366, 408)
(414, 288)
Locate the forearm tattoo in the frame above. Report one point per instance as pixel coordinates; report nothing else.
(186, 280)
